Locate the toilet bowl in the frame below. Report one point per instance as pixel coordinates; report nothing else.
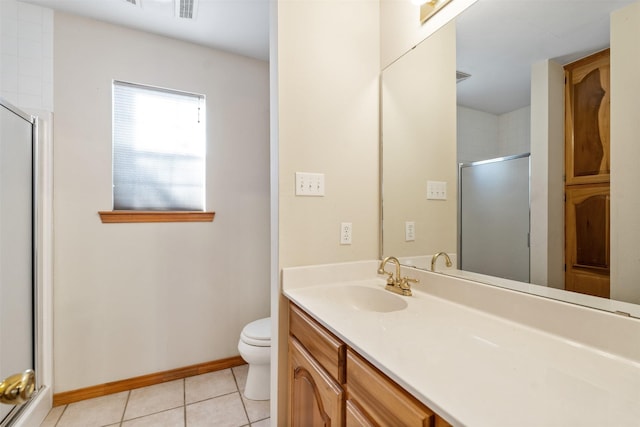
(255, 348)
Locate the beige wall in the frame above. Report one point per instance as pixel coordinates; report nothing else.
(132, 299)
(419, 145)
(327, 118)
(547, 169)
(400, 27)
(625, 153)
(328, 67)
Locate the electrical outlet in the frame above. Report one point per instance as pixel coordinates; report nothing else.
(409, 231)
(346, 232)
(309, 184)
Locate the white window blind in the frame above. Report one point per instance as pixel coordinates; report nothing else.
(158, 149)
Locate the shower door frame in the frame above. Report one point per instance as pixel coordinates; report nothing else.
(34, 411)
(461, 167)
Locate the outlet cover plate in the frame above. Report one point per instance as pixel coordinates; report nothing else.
(346, 232)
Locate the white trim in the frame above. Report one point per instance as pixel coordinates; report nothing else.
(37, 410)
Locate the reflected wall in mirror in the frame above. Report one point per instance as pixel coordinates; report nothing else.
(512, 104)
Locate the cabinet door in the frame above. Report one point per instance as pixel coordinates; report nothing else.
(587, 239)
(316, 399)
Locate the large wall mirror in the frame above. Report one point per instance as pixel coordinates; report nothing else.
(463, 127)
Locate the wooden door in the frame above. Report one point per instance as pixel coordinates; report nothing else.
(587, 171)
(587, 239)
(587, 100)
(316, 399)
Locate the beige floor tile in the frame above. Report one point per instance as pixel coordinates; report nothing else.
(256, 409)
(155, 398)
(53, 416)
(206, 386)
(262, 423)
(240, 373)
(100, 411)
(170, 418)
(223, 411)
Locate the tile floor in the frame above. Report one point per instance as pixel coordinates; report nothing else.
(212, 399)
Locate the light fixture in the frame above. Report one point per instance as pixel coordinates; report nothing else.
(428, 8)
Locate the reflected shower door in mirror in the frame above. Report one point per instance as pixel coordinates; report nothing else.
(494, 217)
(512, 103)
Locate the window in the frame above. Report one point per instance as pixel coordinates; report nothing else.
(159, 149)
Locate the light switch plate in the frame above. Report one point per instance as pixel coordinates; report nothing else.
(436, 190)
(309, 184)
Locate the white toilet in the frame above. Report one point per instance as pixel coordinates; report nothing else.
(255, 348)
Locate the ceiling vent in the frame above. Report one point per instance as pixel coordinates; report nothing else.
(185, 8)
(460, 76)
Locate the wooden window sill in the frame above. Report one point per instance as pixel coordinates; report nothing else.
(110, 217)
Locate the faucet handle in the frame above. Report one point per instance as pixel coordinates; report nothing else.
(403, 283)
(389, 275)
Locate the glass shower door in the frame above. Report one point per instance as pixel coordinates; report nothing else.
(494, 217)
(17, 379)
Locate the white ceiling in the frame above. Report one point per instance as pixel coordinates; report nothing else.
(499, 40)
(237, 26)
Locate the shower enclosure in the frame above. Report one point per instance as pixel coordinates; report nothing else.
(494, 217)
(17, 277)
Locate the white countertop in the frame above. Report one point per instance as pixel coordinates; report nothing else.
(469, 366)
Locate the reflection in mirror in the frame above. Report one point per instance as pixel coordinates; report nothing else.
(512, 104)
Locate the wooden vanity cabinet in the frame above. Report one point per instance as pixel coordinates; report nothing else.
(330, 385)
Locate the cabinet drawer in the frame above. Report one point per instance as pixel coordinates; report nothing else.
(355, 417)
(384, 402)
(328, 350)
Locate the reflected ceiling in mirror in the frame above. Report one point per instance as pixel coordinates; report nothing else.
(498, 40)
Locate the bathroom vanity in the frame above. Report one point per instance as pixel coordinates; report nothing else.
(455, 353)
(331, 381)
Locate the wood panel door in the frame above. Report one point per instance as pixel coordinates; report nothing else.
(587, 239)
(587, 119)
(587, 171)
(316, 399)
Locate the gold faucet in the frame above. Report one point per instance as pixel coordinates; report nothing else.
(435, 258)
(399, 285)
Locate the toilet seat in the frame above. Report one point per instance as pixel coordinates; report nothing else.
(257, 333)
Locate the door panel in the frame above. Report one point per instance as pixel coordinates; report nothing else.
(587, 239)
(16, 248)
(587, 120)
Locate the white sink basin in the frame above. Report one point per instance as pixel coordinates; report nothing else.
(366, 298)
